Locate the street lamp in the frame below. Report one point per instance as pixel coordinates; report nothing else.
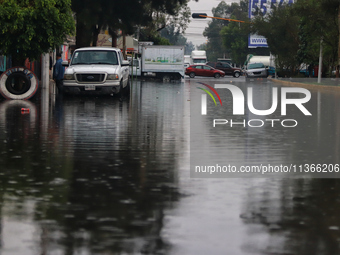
(204, 15)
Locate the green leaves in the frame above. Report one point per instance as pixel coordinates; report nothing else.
(30, 28)
(225, 38)
(293, 32)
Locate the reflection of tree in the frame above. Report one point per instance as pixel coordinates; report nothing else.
(319, 144)
(105, 174)
(120, 182)
(301, 216)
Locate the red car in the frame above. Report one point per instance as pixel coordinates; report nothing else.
(203, 70)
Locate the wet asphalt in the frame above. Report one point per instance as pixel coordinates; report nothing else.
(101, 175)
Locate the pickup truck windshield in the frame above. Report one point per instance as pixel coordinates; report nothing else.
(95, 57)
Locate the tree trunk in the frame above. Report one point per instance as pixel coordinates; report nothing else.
(95, 34)
(124, 45)
(114, 37)
(83, 37)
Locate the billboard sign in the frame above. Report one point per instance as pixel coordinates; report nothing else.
(262, 7)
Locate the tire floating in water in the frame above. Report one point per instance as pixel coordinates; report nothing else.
(18, 83)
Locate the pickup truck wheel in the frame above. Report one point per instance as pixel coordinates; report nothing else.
(166, 78)
(192, 75)
(217, 75)
(237, 74)
(124, 91)
(121, 89)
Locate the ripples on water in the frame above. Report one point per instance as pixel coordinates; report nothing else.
(93, 175)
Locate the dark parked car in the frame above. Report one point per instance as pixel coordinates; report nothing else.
(226, 68)
(203, 70)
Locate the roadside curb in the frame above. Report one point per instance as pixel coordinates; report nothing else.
(324, 88)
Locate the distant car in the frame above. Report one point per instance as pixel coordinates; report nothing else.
(226, 68)
(256, 70)
(203, 70)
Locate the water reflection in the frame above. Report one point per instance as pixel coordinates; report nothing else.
(293, 217)
(279, 215)
(314, 140)
(93, 176)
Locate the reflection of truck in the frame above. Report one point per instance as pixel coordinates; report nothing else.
(198, 57)
(161, 61)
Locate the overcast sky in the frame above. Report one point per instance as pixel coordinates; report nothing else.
(194, 32)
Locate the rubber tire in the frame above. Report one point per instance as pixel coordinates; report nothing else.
(217, 76)
(192, 75)
(124, 91)
(30, 79)
(166, 79)
(237, 74)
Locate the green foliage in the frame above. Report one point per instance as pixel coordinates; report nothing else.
(128, 15)
(202, 46)
(228, 38)
(189, 47)
(294, 32)
(30, 28)
(214, 46)
(319, 21)
(174, 36)
(235, 39)
(158, 40)
(280, 28)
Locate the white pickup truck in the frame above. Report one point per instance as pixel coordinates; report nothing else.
(96, 69)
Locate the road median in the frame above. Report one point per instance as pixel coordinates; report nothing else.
(311, 86)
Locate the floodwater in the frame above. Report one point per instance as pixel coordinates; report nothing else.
(98, 175)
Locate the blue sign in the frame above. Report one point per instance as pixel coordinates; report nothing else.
(262, 7)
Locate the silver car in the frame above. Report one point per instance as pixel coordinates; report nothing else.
(256, 70)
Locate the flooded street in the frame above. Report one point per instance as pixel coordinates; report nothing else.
(98, 175)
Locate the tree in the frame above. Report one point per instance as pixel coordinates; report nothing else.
(331, 8)
(215, 47)
(294, 32)
(30, 28)
(92, 15)
(280, 27)
(174, 37)
(230, 38)
(189, 47)
(235, 39)
(202, 46)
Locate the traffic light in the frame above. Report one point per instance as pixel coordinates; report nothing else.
(199, 15)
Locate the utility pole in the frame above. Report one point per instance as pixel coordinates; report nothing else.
(45, 74)
(320, 62)
(338, 62)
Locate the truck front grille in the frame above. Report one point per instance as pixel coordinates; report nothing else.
(90, 77)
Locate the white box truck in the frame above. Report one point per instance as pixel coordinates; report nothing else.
(198, 57)
(162, 62)
(187, 61)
